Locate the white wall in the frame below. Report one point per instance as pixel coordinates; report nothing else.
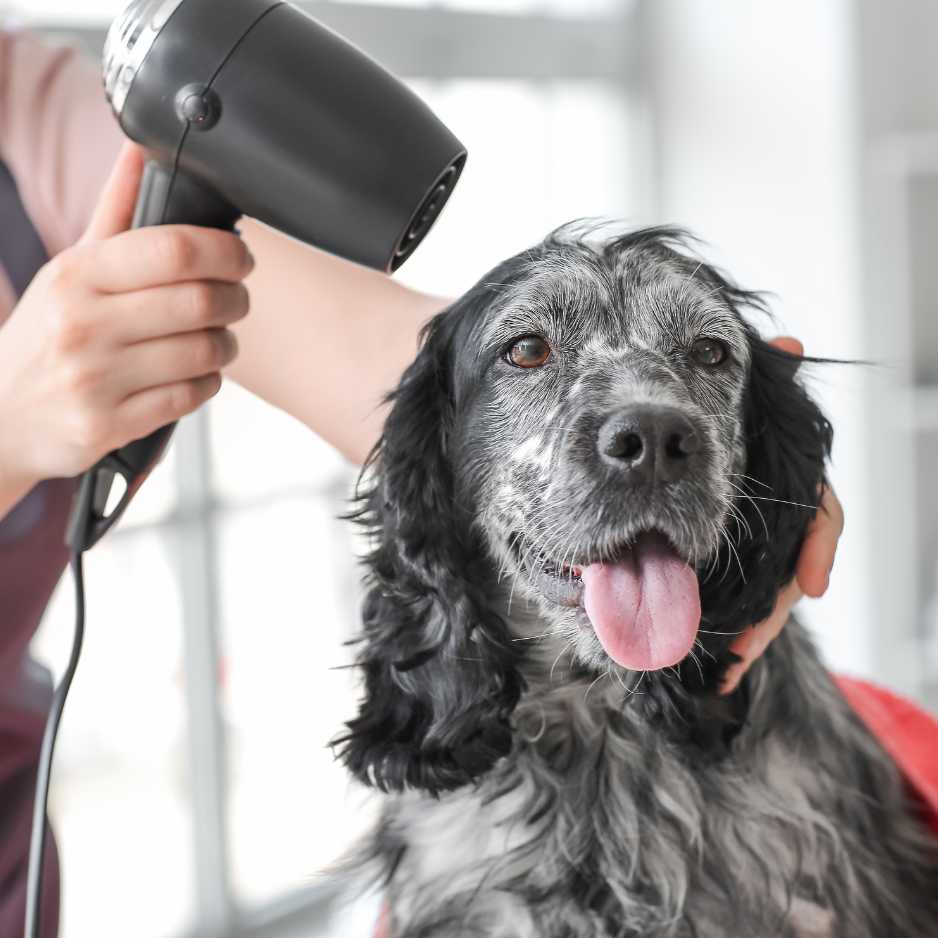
(756, 151)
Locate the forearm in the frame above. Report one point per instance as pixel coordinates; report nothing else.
(326, 339)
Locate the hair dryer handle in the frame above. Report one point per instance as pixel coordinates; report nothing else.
(171, 197)
(167, 197)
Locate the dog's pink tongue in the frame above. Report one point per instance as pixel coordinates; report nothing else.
(645, 609)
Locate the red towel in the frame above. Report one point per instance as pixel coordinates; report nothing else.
(907, 733)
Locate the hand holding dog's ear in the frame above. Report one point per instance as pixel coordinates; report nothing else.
(812, 573)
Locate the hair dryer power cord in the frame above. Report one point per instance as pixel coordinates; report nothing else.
(37, 844)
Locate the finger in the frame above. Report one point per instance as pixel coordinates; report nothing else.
(820, 546)
(751, 645)
(115, 209)
(788, 344)
(154, 257)
(734, 673)
(177, 309)
(173, 360)
(143, 413)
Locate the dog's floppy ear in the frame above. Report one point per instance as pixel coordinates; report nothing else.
(788, 441)
(439, 672)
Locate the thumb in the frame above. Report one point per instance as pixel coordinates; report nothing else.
(115, 210)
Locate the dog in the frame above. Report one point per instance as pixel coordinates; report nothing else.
(594, 475)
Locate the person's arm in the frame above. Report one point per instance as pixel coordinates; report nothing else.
(327, 339)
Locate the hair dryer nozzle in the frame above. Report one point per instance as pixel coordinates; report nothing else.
(427, 214)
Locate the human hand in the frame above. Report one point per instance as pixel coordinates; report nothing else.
(812, 573)
(116, 337)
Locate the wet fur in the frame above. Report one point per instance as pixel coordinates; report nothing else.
(535, 788)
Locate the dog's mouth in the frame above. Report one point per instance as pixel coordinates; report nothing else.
(643, 602)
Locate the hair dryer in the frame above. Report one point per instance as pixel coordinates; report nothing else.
(251, 107)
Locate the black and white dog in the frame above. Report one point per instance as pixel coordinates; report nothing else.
(594, 475)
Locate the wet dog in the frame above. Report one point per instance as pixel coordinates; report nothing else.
(594, 476)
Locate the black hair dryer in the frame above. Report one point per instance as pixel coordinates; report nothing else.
(251, 107)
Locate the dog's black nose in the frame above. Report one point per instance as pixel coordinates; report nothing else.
(650, 442)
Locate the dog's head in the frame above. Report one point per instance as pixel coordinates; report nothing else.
(596, 428)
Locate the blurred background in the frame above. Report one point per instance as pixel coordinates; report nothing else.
(194, 793)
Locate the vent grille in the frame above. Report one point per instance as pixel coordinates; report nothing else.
(428, 213)
(129, 41)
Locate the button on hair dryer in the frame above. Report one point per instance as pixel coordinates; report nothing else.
(251, 107)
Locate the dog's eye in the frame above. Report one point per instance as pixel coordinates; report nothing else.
(530, 351)
(709, 352)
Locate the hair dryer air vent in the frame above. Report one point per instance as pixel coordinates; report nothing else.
(428, 213)
(128, 43)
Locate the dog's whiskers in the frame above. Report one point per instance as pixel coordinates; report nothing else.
(731, 554)
(693, 657)
(748, 497)
(605, 674)
(503, 567)
(739, 518)
(735, 553)
(724, 535)
(783, 501)
(533, 638)
(742, 475)
(698, 643)
(563, 651)
(638, 683)
(529, 567)
(712, 566)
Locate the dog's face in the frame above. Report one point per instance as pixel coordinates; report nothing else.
(596, 431)
(602, 446)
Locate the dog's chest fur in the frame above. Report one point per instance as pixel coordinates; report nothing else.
(598, 825)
